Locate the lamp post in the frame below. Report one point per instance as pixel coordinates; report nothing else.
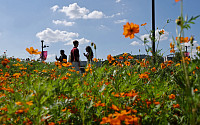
(186, 51)
(43, 46)
(153, 31)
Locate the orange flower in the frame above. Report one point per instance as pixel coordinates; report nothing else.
(95, 60)
(176, 105)
(143, 76)
(115, 107)
(121, 57)
(195, 90)
(29, 103)
(161, 32)
(143, 24)
(177, 0)
(183, 40)
(130, 30)
(110, 58)
(163, 65)
(32, 51)
(130, 57)
(18, 103)
(153, 69)
(172, 96)
(127, 63)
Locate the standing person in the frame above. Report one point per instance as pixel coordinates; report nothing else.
(62, 56)
(75, 56)
(89, 54)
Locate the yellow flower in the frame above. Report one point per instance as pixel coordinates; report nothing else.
(125, 54)
(130, 30)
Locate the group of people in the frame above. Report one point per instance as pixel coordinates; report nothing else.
(74, 55)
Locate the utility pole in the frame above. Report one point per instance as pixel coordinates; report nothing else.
(153, 31)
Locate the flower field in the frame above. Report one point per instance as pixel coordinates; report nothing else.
(129, 91)
(122, 91)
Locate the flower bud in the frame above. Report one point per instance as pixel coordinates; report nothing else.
(178, 21)
(92, 43)
(191, 40)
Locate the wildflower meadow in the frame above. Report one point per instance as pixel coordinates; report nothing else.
(121, 91)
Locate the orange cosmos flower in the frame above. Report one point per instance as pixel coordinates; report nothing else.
(29, 103)
(153, 69)
(161, 32)
(127, 63)
(183, 40)
(130, 30)
(18, 103)
(121, 57)
(110, 58)
(176, 105)
(172, 96)
(143, 76)
(115, 107)
(143, 24)
(95, 60)
(177, 0)
(32, 51)
(163, 65)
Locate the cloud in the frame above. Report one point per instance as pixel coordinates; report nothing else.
(163, 37)
(117, 14)
(94, 15)
(135, 43)
(117, 1)
(51, 36)
(74, 11)
(54, 8)
(103, 27)
(81, 41)
(121, 21)
(64, 22)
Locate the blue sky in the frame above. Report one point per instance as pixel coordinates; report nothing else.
(24, 23)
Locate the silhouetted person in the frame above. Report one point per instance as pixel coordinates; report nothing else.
(75, 56)
(89, 54)
(62, 56)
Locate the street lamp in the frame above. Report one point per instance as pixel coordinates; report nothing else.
(43, 46)
(186, 53)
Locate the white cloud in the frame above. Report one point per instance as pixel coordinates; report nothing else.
(135, 43)
(64, 22)
(117, 14)
(51, 36)
(162, 37)
(121, 21)
(81, 41)
(117, 1)
(74, 11)
(94, 15)
(54, 8)
(103, 27)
